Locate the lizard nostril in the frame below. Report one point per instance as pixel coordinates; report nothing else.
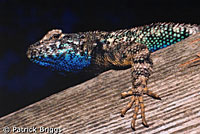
(28, 54)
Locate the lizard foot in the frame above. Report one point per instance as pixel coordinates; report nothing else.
(138, 102)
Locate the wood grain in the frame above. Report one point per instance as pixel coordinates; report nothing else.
(93, 107)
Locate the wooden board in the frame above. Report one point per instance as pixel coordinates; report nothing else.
(93, 107)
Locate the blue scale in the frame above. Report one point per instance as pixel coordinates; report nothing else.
(69, 62)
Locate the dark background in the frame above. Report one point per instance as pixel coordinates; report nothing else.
(25, 22)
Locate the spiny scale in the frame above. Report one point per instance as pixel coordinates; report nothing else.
(157, 36)
(162, 35)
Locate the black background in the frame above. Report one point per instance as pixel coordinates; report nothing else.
(25, 22)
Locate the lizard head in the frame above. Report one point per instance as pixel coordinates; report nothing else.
(61, 52)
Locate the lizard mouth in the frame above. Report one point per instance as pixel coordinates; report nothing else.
(31, 54)
(32, 51)
(35, 56)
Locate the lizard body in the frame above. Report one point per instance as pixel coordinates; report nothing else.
(100, 49)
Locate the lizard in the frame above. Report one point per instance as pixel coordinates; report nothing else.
(76, 52)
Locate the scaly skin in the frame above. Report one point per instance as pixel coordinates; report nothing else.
(106, 50)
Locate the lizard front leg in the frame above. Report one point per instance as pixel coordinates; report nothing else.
(141, 68)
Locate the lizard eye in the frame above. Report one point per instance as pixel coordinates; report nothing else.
(56, 36)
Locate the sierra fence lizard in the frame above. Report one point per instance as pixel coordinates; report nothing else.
(99, 49)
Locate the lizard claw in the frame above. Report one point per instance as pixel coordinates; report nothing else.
(138, 102)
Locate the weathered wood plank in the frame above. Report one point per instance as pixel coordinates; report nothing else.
(93, 107)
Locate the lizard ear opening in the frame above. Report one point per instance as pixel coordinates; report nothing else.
(82, 36)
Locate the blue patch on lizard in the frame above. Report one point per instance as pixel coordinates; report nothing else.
(66, 60)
